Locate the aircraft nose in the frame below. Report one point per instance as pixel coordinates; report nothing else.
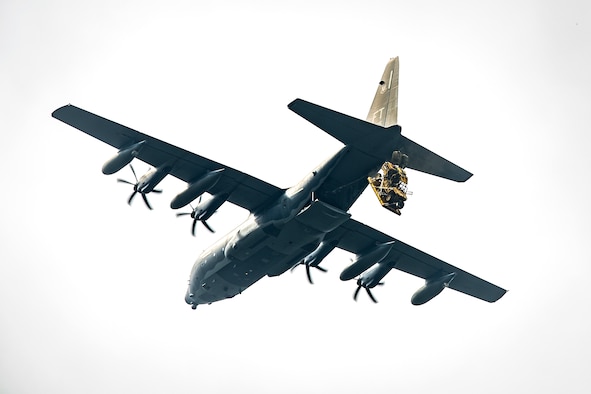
(189, 297)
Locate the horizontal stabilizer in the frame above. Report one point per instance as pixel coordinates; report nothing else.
(377, 141)
(374, 140)
(422, 159)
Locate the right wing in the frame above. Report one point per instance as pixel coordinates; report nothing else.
(355, 237)
(244, 190)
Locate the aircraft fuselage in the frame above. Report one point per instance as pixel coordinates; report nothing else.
(269, 242)
(302, 224)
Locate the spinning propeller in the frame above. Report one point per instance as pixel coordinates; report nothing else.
(196, 218)
(308, 273)
(136, 190)
(360, 284)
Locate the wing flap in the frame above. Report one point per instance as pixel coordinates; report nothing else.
(244, 190)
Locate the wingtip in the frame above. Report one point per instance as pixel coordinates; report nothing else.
(467, 176)
(294, 102)
(501, 295)
(56, 112)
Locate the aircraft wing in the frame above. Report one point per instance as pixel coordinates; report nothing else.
(356, 237)
(244, 190)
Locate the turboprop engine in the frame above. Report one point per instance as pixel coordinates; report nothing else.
(122, 158)
(432, 287)
(371, 279)
(365, 260)
(204, 210)
(196, 188)
(146, 183)
(315, 258)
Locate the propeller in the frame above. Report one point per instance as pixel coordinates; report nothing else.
(308, 266)
(196, 219)
(360, 284)
(135, 189)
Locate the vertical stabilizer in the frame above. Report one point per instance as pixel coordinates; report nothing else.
(384, 109)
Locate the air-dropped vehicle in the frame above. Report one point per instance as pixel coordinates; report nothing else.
(302, 224)
(390, 184)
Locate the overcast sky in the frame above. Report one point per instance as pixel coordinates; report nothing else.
(91, 289)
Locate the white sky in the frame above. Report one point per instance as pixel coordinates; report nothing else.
(91, 290)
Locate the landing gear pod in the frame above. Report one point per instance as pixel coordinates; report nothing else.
(122, 158)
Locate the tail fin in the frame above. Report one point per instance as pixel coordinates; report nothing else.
(384, 109)
(384, 112)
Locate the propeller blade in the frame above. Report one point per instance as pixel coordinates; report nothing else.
(308, 270)
(356, 292)
(308, 274)
(183, 214)
(193, 227)
(124, 181)
(131, 197)
(146, 201)
(158, 191)
(295, 266)
(360, 285)
(371, 295)
(134, 175)
(207, 226)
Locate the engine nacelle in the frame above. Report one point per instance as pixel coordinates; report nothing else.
(316, 257)
(432, 288)
(197, 188)
(203, 211)
(122, 158)
(367, 259)
(372, 278)
(151, 179)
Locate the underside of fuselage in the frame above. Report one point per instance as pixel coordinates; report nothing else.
(228, 271)
(257, 249)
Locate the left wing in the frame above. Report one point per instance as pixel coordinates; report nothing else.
(356, 237)
(244, 190)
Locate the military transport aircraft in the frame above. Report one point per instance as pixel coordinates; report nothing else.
(301, 224)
